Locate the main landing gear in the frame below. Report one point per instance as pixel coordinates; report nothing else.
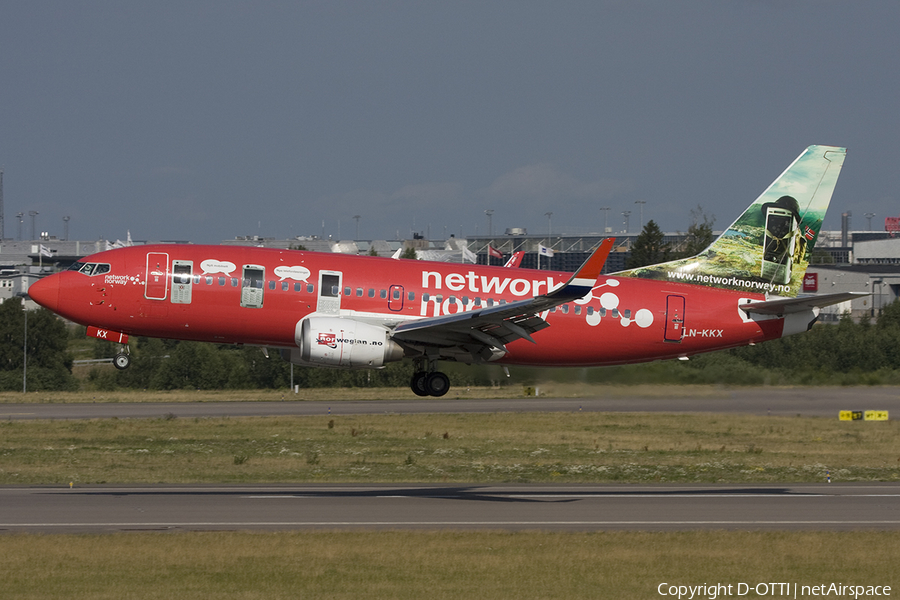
(428, 382)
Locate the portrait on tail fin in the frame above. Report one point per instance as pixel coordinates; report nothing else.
(767, 248)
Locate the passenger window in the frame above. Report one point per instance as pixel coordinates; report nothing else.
(335, 291)
(197, 279)
(209, 280)
(383, 294)
(565, 309)
(234, 282)
(371, 292)
(590, 310)
(348, 291)
(577, 310)
(412, 296)
(396, 294)
(615, 313)
(284, 286)
(221, 281)
(425, 297)
(310, 288)
(359, 292)
(602, 312)
(627, 313)
(271, 285)
(298, 287)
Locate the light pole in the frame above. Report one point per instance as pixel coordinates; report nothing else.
(25, 351)
(66, 227)
(490, 212)
(549, 214)
(626, 214)
(605, 210)
(642, 203)
(33, 214)
(869, 221)
(357, 217)
(21, 219)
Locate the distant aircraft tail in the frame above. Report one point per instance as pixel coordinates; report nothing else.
(767, 248)
(515, 260)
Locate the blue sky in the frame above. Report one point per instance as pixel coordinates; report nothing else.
(206, 120)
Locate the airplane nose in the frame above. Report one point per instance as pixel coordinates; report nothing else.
(46, 292)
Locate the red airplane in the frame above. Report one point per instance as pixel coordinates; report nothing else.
(344, 311)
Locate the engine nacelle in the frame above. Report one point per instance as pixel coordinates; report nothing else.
(337, 342)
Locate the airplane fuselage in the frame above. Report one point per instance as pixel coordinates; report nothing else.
(258, 296)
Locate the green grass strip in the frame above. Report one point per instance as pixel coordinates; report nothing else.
(466, 448)
(434, 565)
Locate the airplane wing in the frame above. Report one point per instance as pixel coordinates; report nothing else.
(786, 306)
(493, 327)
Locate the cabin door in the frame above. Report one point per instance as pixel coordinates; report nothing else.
(156, 279)
(674, 318)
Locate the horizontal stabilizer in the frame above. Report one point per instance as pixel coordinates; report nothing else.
(786, 306)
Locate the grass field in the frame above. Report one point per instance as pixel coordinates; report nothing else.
(476, 448)
(434, 565)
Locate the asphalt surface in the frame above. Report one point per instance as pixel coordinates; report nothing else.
(805, 401)
(508, 507)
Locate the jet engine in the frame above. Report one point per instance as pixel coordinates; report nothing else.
(337, 342)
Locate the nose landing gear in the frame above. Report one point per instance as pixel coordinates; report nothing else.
(122, 360)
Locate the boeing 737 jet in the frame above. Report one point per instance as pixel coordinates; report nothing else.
(351, 312)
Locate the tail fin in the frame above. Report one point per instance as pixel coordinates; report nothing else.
(767, 248)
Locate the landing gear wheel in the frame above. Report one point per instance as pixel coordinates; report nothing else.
(437, 384)
(417, 383)
(122, 361)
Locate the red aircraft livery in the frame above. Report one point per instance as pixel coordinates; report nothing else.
(344, 311)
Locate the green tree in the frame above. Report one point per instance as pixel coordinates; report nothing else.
(648, 248)
(49, 364)
(699, 233)
(409, 253)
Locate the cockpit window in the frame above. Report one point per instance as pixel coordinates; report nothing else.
(90, 269)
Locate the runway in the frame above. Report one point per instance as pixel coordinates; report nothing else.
(99, 509)
(804, 401)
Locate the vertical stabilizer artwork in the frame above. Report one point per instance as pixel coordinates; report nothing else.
(767, 249)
